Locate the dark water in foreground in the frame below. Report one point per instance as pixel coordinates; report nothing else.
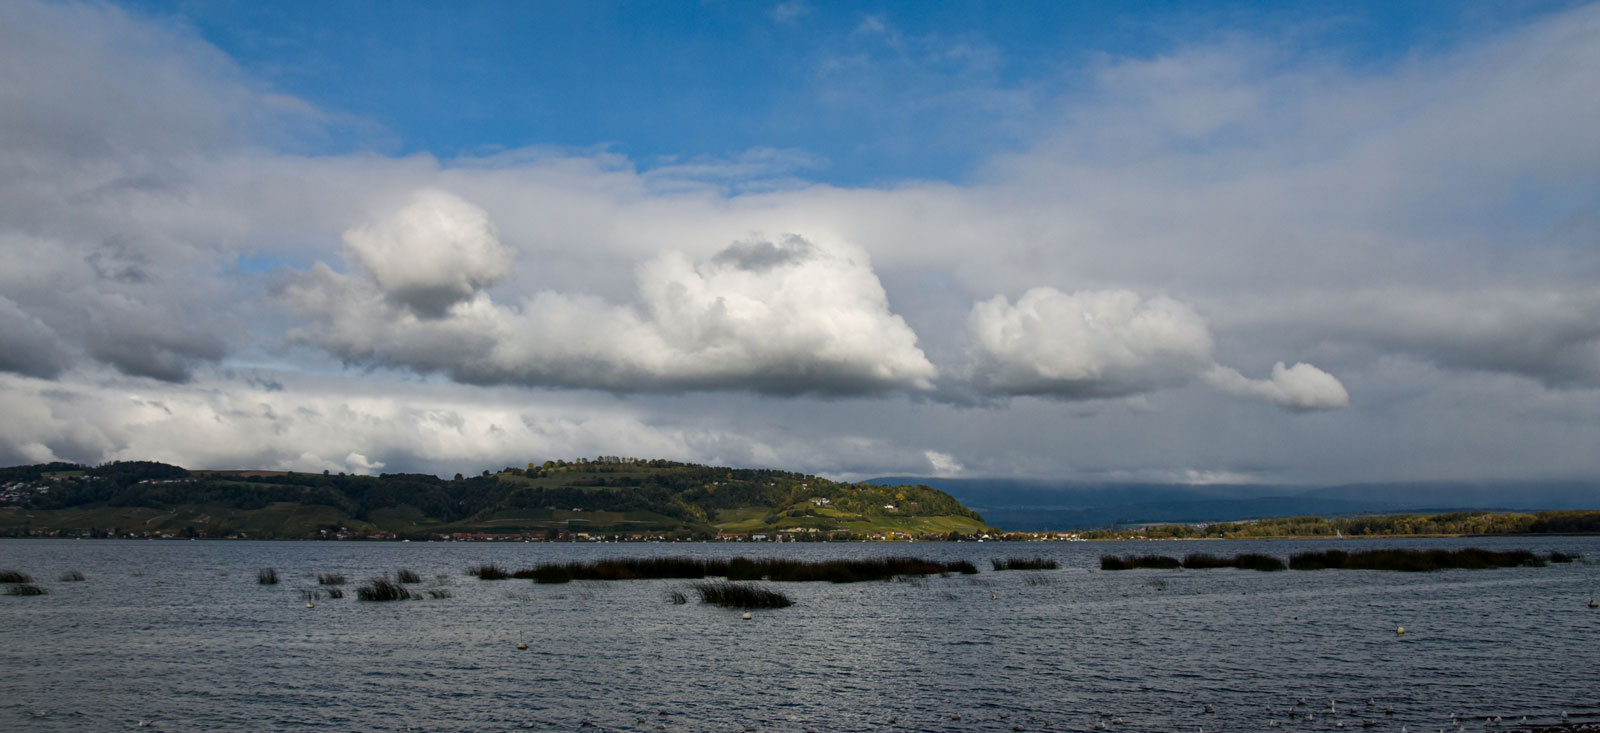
(179, 633)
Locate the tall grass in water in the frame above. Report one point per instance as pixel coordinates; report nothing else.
(1247, 561)
(489, 571)
(1130, 562)
(736, 595)
(740, 568)
(1201, 561)
(382, 588)
(1023, 563)
(330, 579)
(842, 571)
(25, 589)
(1254, 561)
(15, 576)
(405, 575)
(547, 574)
(1561, 556)
(1414, 561)
(72, 576)
(440, 593)
(334, 592)
(267, 576)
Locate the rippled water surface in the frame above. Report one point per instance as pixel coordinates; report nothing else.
(179, 636)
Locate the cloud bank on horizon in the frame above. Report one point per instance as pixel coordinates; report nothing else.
(198, 265)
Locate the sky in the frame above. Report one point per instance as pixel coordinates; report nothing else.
(1287, 243)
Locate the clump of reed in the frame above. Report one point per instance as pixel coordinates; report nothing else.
(310, 594)
(740, 568)
(334, 592)
(739, 595)
(406, 575)
(330, 579)
(1131, 562)
(1202, 561)
(677, 597)
(1255, 561)
(72, 576)
(15, 576)
(842, 571)
(1414, 561)
(1246, 561)
(547, 573)
(267, 576)
(488, 571)
(1556, 556)
(25, 589)
(1033, 580)
(437, 593)
(1023, 563)
(382, 588)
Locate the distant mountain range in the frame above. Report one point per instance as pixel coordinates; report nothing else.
(1033, 505)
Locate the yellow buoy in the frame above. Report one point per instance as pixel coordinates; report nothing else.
(1399, 631)
(309, 604)
(745, 616)
(522, 645)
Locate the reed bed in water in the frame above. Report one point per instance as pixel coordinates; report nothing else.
(1414, 561)
(15, 576)
(1131, 562)
(489, 571)
(382, 588)
(738, 595)
(740, 568)
(1246, 561)
(1023, 563)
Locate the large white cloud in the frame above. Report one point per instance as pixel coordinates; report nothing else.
(1087, 344)
(1114, 343)
(784, 317)
(435, 251)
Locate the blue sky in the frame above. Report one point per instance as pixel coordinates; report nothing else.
(1291, 242)
(870, 92)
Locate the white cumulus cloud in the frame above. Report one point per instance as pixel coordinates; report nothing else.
(785, 317)
(1301, 387)
(1116, 343)
(436, 251)
(1086, 344)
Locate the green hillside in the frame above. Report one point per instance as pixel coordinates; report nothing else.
(604, 497)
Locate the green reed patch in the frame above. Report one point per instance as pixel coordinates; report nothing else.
(405, 575)
(25, 589)
(15, 576)
(330, 579)
(72, 576)
(267, 576)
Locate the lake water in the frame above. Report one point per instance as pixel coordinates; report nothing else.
(178, 635)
